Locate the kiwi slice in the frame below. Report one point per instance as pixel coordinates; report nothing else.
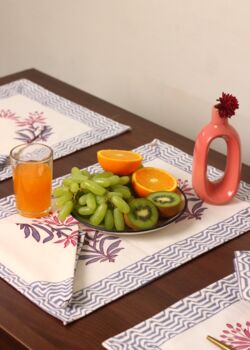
(143, 214)
(168, 203)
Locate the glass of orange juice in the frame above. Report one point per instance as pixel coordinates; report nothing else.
(32, 166)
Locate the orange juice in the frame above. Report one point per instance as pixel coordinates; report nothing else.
(32, 186)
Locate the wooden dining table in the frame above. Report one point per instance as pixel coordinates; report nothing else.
(25, 326)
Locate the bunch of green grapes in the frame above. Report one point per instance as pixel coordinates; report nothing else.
(101, 198)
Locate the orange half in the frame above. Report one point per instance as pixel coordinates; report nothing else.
(147, 180)
(119, 162)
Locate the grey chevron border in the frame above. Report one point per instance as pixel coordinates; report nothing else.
(242, 268)
(181, 316)
(55, 294)
(102, 127)
(136, 275)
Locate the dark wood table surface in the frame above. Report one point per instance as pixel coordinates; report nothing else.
(25, 326)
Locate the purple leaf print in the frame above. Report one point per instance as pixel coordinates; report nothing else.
(51, 227)
(97, 248)
(29, 229)
(237, 337)
(195, 208)
(35, 128)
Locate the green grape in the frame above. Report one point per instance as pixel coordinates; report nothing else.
(99, 214)
(85, 173)
(63, 199)
(109, 220)
(94, 187)
(124, 190)
(67, 182)
(78, 178)
(60, 191)
(120, 204)
(83, 199)
(114, 180)
(90, 201)
(75, 171)
(111, 194)
(74, 187)
(119, 220)
(124, 180)
(102, 181)
(103, 174)
(85, 210)
(100, 199)
(66, 210)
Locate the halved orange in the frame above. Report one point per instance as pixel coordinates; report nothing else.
(148, 179)
(119, 162)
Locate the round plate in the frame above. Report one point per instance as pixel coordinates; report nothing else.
(163, 222)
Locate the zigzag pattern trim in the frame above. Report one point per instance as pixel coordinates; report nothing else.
(153, 266)
(181, 316)
(242, 264)
(102, 127)
(56, 295)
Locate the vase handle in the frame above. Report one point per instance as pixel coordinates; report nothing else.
(222, 190)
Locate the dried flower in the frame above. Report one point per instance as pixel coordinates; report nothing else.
(227, 105)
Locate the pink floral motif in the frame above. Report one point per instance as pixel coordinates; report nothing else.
(33, 128)
(53, 219)
(70, 239)
(237, 336)
(7, 114)
(50, 227)
(35, 117)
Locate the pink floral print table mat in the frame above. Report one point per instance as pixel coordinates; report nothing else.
(217, 310)
(105, 266)
(30, 113)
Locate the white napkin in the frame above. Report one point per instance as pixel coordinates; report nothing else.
(41, 255)
(242, 269)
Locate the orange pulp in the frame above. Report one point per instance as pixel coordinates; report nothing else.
(120, 162)
(32, 186)
(147, 180)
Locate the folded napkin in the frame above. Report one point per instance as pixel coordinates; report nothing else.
(30, 113)
(39, 257)
(109, 266)
(242, 268)
(217, 310)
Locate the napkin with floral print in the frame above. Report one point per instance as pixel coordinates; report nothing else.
(242, 269)
(48, 268)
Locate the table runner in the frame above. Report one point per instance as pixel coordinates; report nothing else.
(110, 266)
(218, 311)
(30, 113)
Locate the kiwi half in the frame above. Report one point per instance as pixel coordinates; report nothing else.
(143, 214)
(168, 203)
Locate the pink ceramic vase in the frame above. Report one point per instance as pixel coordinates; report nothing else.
(222, 190)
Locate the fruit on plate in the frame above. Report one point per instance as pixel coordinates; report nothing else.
(148, 179)
(119, 162)
(99, 198)
(108, 200)
(142, 215)
(168, 203)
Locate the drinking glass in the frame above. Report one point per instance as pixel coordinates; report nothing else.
(32, 166)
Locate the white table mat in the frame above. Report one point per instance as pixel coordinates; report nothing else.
(30, 113)
(111, 266)
(217, 310)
